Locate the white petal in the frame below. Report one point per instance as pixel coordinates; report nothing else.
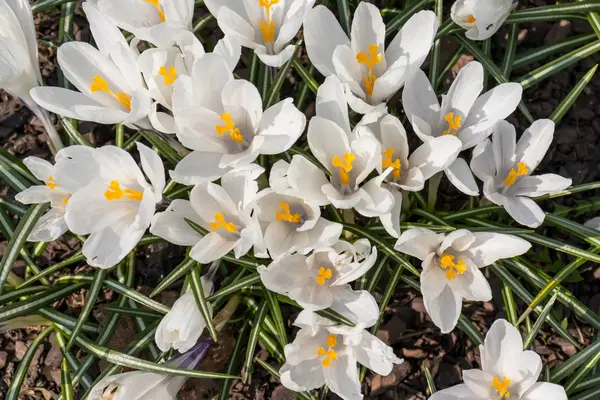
(285, 274)
(237, 27)
(331, 103)
(479, 382)
(357, 269)
(198, 167)
(368, 29)
(490, 247)
(593, 223)
(540, 185)
(207, 91)
(473, 285)
(375, 355)
(375, 201)
(391, 220)
(275, 60)
(240, 184)
(419, 99)
(230, 50)
(342, 376)
(22, 10)
(464, 90)
(281, 238)
(525, 211)
(211, 247)
(502, 346)
(171, 225)
(414, 40)
(482, 162)
(545, 391)
(461, 177)
(326, 140)
(358, 306)
(418, 242)
(322, 34)
(208, 199)
(107, 247)
(242, 100)
(75, 167)
(153, 168)
(444, 309)
(303, 376)
(534, 143)
(281, 125)
(530, 368)
(433, 281)
(39, 167)
(504, 143)
(307, 180)
(325, 233)
(435, 155)
(457, 392)
(49, 227)
(34, 195)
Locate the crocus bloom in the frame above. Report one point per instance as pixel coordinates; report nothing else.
(225, 211)
(463, 114)
(111, 88)
(291, 224)
(19, 66)
(481, 18)
(505, 167)
(370, 72)
(267, 26)
(156, 21)
(506, 371)
(348, 156)
(409, 173)
(451, 266)
(162, 66)
(117, 205)
(223, 121)
(327, 354)
(73, 170)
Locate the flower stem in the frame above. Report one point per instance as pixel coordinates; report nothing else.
(226, 312)
(434, 183)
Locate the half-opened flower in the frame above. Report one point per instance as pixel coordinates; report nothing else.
(156, 21)
(162, 66)
(409, 173)
(463, 113)
(267, 26)
(328, 354)
(507, 372)
(505, 167)
(322, 279)
(73, 170)
(117, 205)
(223, 121)
(224, 211)
(111, 88)
(19, 66)
(371, 73)
(291, 224)
(481, 18)
(451, 266)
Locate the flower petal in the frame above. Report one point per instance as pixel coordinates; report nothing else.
(465, 89)
(418, 242)
(525, 211)
(211, 247)
(482, 162)
(281, 125)
(307, 180)
(342, 376)
(490, 247)
(375, 355)
(534, 143)
(461, 177)
(49, 227)
(198, 167)
(444, 309)
(322, 34)
(540, 185)
(171, 224)
(34, 195)
(435, 155)
(545, 391)
(331, 103)
(414, 40)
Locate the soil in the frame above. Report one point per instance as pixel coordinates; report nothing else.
(406, 326)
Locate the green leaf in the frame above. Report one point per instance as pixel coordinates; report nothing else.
(306, 77)
(390, 289)
(234, 360)
(428, 378)
(252, 341)
(203, 305)
(66, 384)
(398, 21)
(344, 15)
(566, 369)
(178, 272)
(529, 340)
(565, 105)
(235, 286)
(162, 148)
(275, 374)
(275, 90)
(543, 52)
(276, 314)
(75, 258)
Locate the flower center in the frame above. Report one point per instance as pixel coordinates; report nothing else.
(470, 19)
(372, 59)
(447, 263)
(51, 183)
(229, 127)
(267, 27)
(330, 354)
(220, 222)
(114, 192)
(169, 74)
(514, 173)
(156, 4)
(323, 274)
(286, 215)
(345, 166)
(65, 200)
(99, 84)
(388, 161)
(502, 387)
(110, 392)
(453, 124)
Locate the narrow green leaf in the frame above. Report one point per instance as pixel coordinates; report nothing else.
(509, 303)
(399, 20)
(45, 5)
(539, 322)
(178, 272)
(565, 105)
(235, 287)
(75, 258)
(275, 90)
(566, 369)
(164, 149)
(234, 360)
(390, 289)
(70, 127)
(276, 314)
(253, 339)
(15, 294)
(203, 305)
(510, 50)
(13, 206)
(66, 384)
(428, 378)
(344, 15)
(18, 167)
(85, 380)
(543, 52)
(306, 77)
(88, 305)
(202, 22)
(134, 312)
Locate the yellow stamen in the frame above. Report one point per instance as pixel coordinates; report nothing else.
(513, 174)
(471, 19)
(322, 275)
(330, 354)
(50, 183)
(370, 61)
(99, 84)
(170, 74)
(267, 28)
(502, 387)
(286, 215)
(229, 127)
(114, 192)
(65, 200)
(220, 222)
(447, 263)
(388, 161)
(344, 166)
(156, 4)
(453, 124)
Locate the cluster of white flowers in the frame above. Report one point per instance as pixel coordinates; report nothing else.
(178, 88)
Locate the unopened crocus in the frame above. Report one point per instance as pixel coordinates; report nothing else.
(481, 18)
(507, 372)
(505, 166)
(451, 267)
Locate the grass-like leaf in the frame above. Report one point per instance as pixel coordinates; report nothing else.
(201, 302)
(253, 340)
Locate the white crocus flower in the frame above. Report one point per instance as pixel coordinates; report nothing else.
(223, 121)
(162, 66)
(505, 167)
(322, 279)
(117, 205)
(325, 353)
(371, 73)
(156, 21)
(224, 211)
(291, 224)
(348, 157)
(183, 325)
(267, 26)
(19, 65)
(73, 170)
(481, 18)
(451, 266)
(506, 371)
(111, 88)
(409, 173)
(463, 113)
